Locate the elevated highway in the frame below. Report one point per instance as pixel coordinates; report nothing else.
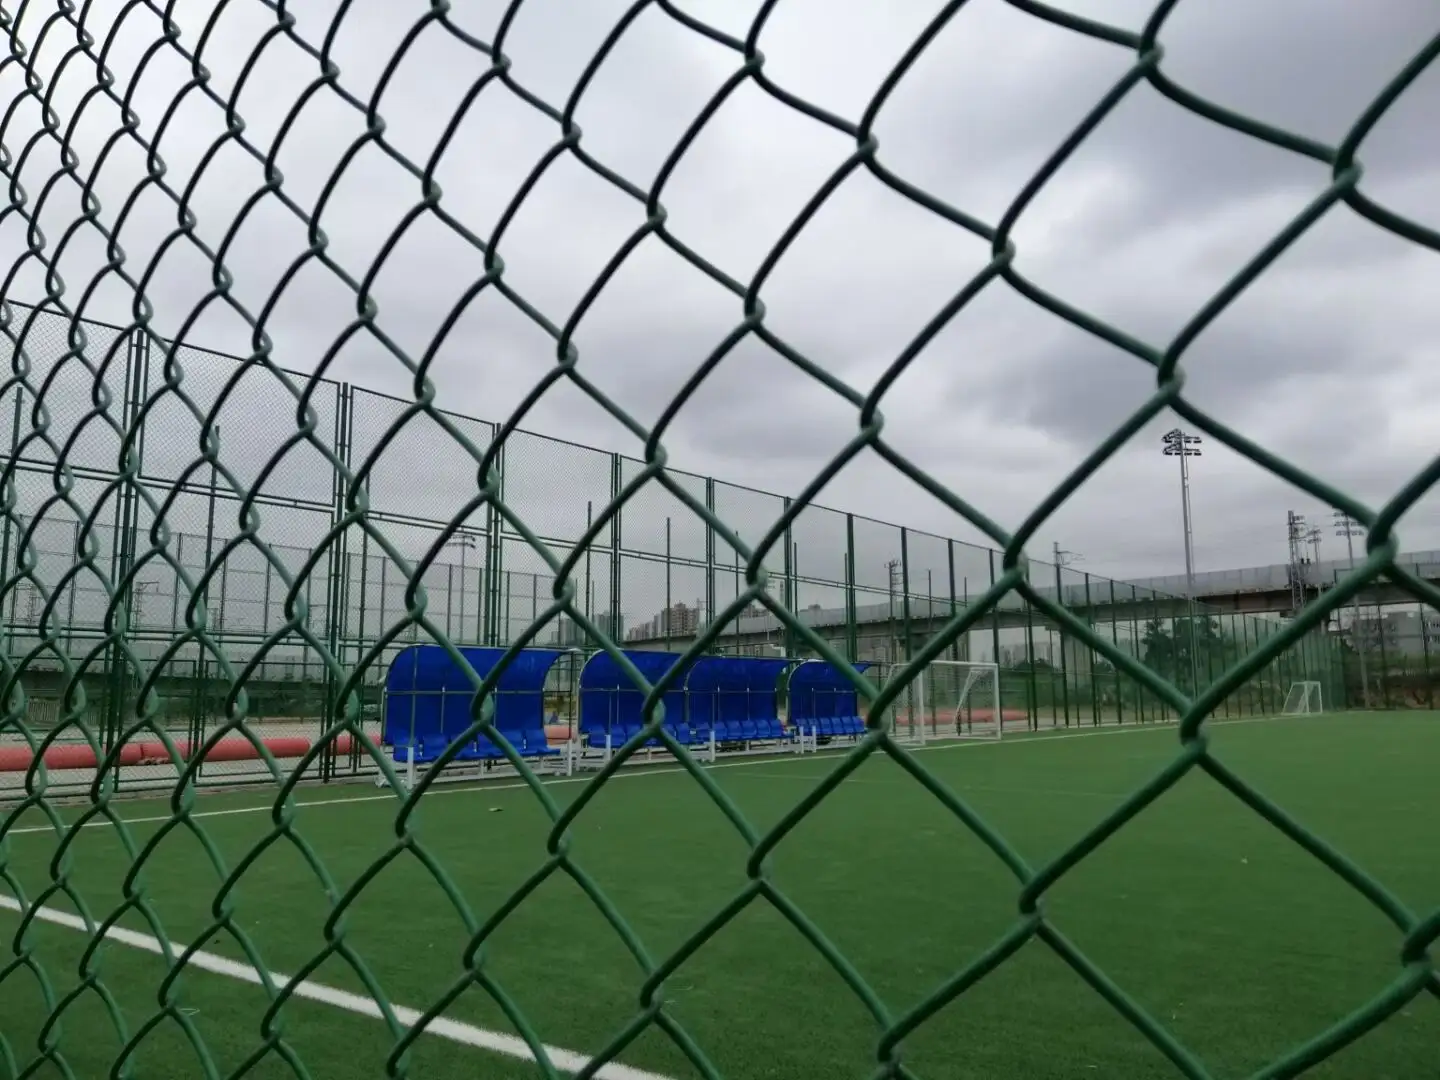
(1257, 590)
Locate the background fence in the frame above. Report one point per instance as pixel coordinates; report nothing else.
(654, 576)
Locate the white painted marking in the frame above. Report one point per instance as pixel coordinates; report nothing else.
(454, 1030)
(670, 770)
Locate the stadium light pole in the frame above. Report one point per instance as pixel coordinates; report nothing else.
(465, 542)
(1349, 528)
(1177, 444)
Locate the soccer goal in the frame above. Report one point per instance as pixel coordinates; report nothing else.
(951, 699)
(1302, 699)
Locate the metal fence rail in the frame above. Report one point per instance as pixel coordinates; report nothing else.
(193, 546)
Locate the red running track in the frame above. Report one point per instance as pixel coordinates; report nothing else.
(153, 752)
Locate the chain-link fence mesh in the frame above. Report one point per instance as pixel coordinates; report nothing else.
(259, 586)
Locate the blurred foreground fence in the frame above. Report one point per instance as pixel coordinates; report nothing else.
(187, 537)
(652, 578)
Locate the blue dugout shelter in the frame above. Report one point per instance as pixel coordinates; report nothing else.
(735, 696)
(610, 704)
(429, 699)
(823, 700)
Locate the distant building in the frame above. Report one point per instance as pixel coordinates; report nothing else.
(678, 620)
(1398, 633)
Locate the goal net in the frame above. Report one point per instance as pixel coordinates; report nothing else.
(1303, 698)
(950, 699)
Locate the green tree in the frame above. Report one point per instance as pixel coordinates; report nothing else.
(1167, 646)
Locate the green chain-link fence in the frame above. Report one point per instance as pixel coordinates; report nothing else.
(272, 574)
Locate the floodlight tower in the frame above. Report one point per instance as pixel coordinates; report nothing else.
(1349, 528)
(1177, 444)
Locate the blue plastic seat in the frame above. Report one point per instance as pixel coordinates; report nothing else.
(536, 744)
(432, 745)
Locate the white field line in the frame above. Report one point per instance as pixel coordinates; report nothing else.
(453, 1030)
(663, 770)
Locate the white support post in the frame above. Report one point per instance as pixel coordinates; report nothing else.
(921, 680)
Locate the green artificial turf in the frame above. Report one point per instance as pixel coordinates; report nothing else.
(1240, 943)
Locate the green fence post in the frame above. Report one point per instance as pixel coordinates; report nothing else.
(905, 591)
(790, 592)
(1425, 656)
(202, 665)
(710, 598)
(588, 586)
(994, 616)
(788, 642)
(954, 608)
(1064, 663)
(495, 632)
(332, 709)
(6, 571)
(1031, 689)
(668, 600)
(1384, 658)
(852, 633)
(617, 482)
(1094, 690)
(1115, 636)
(910, 696)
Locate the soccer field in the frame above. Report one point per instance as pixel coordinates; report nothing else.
(1229, 935)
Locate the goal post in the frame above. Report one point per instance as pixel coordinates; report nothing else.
(950, 699)
(1302, 699)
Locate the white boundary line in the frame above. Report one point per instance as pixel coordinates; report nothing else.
(482, 787)
(453, 1030)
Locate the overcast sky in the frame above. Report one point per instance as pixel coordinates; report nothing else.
(1331, 360)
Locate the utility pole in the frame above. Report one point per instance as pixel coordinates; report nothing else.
(1298, 533)
(1349, 528)
(1178, 444)
(1062, 560)
(141, 590)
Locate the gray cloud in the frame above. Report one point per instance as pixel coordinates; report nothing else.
(1151, 217)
